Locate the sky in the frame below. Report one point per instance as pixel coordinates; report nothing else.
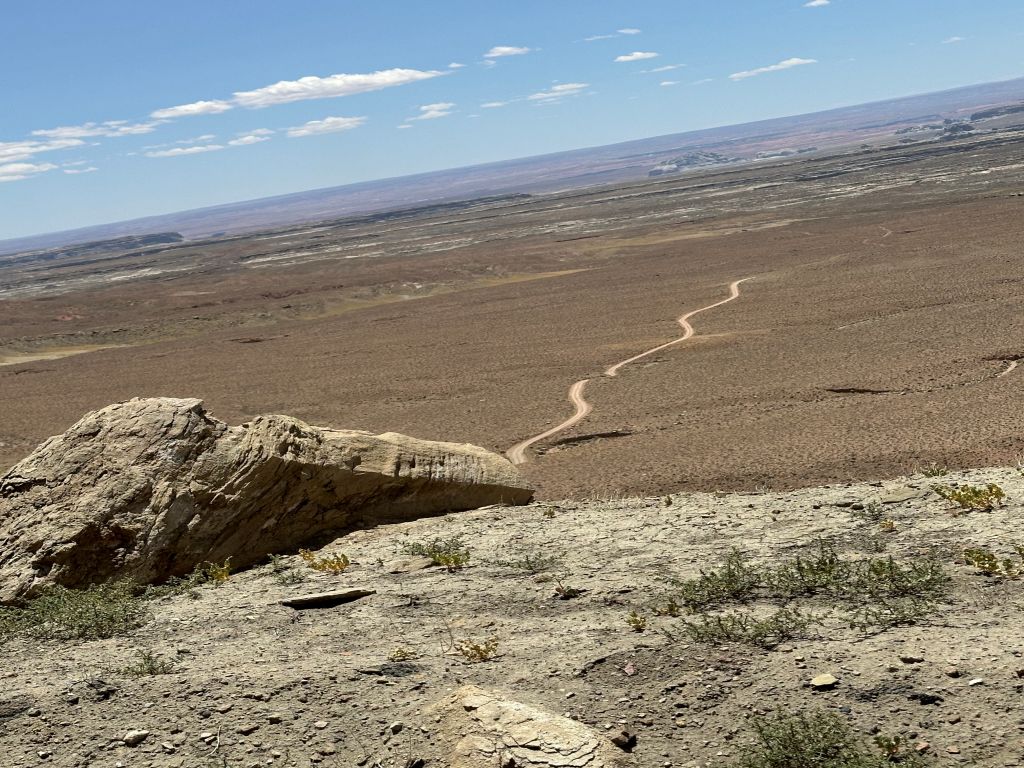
(117, 109)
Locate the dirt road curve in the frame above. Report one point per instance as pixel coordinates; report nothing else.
(517, 454)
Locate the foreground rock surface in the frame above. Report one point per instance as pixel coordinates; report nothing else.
(248, 681)
(152, 487)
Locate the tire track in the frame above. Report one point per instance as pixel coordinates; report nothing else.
(517, 454)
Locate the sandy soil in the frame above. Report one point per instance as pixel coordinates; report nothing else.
(254, 683)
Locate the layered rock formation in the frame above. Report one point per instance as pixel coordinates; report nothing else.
(150, 488)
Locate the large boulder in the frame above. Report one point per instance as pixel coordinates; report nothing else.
(151, 488)
(487, 729)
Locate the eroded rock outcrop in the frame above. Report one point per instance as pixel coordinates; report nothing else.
(486, 729)
(152, 487)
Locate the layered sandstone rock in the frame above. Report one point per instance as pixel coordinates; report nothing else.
(150, 488)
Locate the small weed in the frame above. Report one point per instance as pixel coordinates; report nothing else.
(934, 470)
(97, 612)
(533, 561)
(884, 614)
(325, 564)
(451, 553)
(284, 573)
(990, 565)
(887, 526)
(785, 624)
(813, 740)
(736, 580)
(806, 576)
(149, 664)
(203, 574)
(401, 654)
(475, 652)
(637, 622)
(548, 513)
(970, 498)
(564, 592)
(871, 513)
(215, 573)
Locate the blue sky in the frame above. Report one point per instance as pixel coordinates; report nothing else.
(115, 109)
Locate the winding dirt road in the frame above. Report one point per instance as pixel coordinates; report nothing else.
(517, 454)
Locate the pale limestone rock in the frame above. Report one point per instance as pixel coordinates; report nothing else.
(150, 488)
(487, 729)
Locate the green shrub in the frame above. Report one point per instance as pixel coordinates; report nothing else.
(816, 740)
(450, 554)
(59, 613)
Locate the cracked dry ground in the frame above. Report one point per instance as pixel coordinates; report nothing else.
(253, 683)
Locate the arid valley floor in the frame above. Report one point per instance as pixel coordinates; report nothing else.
(878, 330)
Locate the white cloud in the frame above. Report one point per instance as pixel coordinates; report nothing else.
(327, 125)
(456, 65)
(179, 151)
(618, 33)
(19, 171)
(253, 137)
(636, 56)
(559, 91)
(17, 151)
(73, 171)
(817, 3)
(666, 68)
(434, 111)
(701, 82)
(110, 128)
(505, 50)
(404, 126)
(666, 83)
(786, 64)
(493, 104)
(329, 87)
(954, 39)
(190, 110)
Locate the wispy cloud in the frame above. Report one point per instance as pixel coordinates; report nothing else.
(19, 171)
(954, 39)
(191, 110)
(456, 65)
(618, 33)
(785, 64)
(197, 149)
(110, 128)
(817, 3)
(701, 82)
(667, 83)
(76, 171)
(666, 68)
(636, 56)
(559, 92)
(17, 151)
(327, 125)
(499, 51)
(493, 104)
(306, 88)
(434, 111)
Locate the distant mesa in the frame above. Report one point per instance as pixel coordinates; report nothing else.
(150, 488)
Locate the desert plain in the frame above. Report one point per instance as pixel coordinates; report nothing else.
(878, 329)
